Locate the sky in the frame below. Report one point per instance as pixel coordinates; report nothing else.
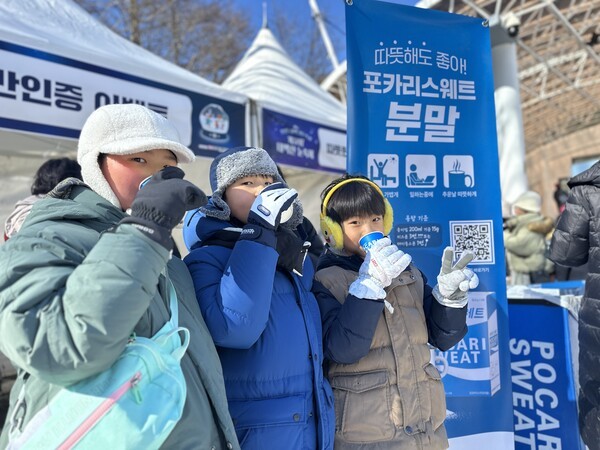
(331, 10)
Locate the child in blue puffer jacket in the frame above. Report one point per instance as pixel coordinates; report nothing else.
(253, 284)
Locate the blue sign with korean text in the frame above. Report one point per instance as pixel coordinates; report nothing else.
(49, 94)
(301, 143)
(421, 124)
(544, 397)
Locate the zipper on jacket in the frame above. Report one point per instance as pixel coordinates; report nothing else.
(389, 306)
(100, 412)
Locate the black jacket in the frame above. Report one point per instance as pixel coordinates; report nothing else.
(576, 241)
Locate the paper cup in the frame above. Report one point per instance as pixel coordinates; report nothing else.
(367, 241)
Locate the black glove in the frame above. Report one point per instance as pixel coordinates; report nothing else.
(271, 203)
(160, 205)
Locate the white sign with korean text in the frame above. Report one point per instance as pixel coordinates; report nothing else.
(50, 94)
(332, 149)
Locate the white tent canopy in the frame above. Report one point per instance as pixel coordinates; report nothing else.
(64, 29)
(59, 64)
(269, 76)
(274, 82)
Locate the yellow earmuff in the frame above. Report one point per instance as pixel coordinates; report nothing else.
(332, 231)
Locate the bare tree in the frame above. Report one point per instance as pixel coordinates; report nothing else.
(300, 37)
(207, 37)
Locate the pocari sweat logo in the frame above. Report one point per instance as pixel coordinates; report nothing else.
(472, 367)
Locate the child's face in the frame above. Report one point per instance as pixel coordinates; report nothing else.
(242, 193)
(124, 173)
(356, 227)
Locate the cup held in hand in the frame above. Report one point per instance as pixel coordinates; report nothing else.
(367, 241)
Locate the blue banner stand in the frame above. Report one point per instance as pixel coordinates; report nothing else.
(422, 125)
(543, 350)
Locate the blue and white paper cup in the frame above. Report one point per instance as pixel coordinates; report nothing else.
(367, 241)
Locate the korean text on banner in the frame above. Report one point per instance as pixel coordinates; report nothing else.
(44, 93)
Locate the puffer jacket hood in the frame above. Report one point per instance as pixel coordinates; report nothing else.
(90, 206)
(588, 177)
(198, 227)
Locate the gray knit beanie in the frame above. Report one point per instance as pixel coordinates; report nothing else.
(123, 130)
(240, 162)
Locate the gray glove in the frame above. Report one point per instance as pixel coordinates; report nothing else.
(383, 263)
(454, 281)
(160, 205)
(272, 202)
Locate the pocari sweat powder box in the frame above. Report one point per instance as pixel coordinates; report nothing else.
(472, 367)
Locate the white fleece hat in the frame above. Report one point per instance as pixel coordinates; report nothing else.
(529, 201)
(123, 130)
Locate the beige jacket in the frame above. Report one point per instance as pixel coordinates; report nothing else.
(393, 398)
(525, 242)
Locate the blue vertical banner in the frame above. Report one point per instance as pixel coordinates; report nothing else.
(544, 395)
(421, 124)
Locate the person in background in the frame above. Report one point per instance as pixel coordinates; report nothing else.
(378, 327)
(253, 283)
(82, 275)
(561, 194)
(576, 241)
(48, 175)
(525, 241)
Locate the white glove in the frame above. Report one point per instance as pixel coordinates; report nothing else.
(383, 263)
(271, 203)
(454, 281)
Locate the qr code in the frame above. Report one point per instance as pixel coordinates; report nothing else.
(476, 236)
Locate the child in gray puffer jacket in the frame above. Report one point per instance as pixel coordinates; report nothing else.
(83, 274)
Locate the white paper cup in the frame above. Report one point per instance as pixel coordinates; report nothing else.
(367, 241)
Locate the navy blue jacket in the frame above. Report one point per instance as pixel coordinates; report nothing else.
(267, 328)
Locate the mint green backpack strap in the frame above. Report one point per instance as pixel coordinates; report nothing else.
(173, 305)
(172, 328)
